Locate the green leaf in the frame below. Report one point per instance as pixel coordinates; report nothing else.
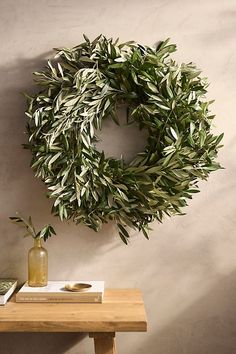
(219, 138)
(123, 238)
(192, 128)
(54, 158)
(52, 230)
(155, 169)
(116, 66)
(152, 87)
(202, 135)
(110, 200)
(162, 106)
(44, 231)
(15, 219)
(123, 230)
(145, 233)
(173, 133)
(60, 70)
(71, 102)
(86, 38)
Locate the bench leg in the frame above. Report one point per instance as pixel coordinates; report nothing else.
(104, 343)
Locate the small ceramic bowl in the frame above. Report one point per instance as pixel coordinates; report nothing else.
(77, 287)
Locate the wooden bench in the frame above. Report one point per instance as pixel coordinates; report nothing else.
(121, 311)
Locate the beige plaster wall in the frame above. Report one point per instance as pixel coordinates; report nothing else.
(187, 271)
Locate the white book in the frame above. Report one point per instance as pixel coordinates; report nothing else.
(55, 291)
(7, 287)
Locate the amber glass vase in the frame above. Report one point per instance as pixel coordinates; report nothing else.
(37, 264)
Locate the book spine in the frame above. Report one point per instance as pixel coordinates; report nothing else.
(58, 299)
(4, 298)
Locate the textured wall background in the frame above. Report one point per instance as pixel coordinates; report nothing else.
(187, 270)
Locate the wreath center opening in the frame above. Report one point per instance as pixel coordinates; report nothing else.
(121, 141)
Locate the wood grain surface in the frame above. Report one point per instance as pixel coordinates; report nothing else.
(121, 311)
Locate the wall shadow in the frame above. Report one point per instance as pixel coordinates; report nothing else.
(38, 343)
(206, 327)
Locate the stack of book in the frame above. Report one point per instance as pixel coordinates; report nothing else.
(7, 287)
(63, 291)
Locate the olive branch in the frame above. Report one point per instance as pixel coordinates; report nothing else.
(44, 233)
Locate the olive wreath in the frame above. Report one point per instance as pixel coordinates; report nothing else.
(83, 86)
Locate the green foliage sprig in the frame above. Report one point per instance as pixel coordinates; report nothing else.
(46, 232)
(84, 86)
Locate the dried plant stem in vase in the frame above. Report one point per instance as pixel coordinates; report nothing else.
(38, 255)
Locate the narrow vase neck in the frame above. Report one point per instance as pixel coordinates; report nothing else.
(37, 242)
